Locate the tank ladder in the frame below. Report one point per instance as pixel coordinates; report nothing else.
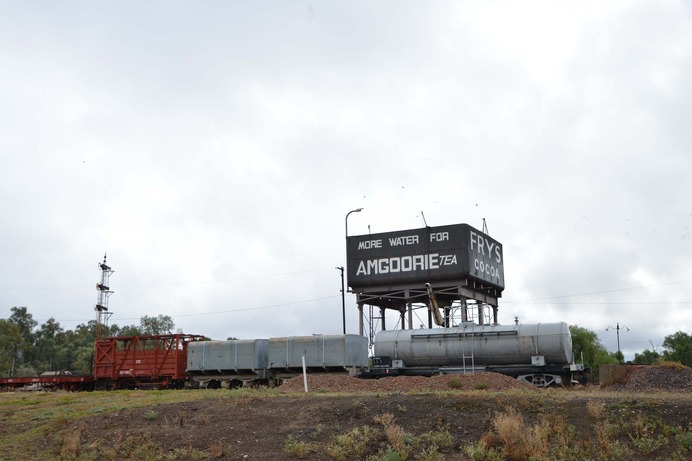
(374, 324)
(465, 357)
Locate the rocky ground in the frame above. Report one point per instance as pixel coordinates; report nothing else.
(645, 378)
(640, 378)
(341, 383)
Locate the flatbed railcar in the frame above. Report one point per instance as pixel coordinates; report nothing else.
(60, 381)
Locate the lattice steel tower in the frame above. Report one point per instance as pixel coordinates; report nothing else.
(104, 292)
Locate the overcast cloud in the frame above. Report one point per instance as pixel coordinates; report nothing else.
(213, 149)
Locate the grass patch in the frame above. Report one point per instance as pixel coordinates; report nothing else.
(454, 383)
(298, 449)
(150, 415)
(352, 444)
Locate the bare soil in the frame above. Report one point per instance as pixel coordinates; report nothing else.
(256, 425)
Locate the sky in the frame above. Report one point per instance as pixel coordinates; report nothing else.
(213, 149)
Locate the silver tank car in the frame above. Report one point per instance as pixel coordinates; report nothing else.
(487, 344)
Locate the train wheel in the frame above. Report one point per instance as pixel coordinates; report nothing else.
(542, 379)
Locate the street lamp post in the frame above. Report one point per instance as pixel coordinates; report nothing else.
(617, 332)
(357, 210)
(343, 288)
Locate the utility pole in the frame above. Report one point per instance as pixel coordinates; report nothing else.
(343, 297)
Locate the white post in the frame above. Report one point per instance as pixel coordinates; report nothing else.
(305, 374)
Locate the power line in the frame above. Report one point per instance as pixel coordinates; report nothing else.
(600, 292)
(258, 307)
(229, 311)
(232, 279)
(579, 303)
(245, 277)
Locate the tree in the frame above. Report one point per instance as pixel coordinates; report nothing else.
(162, 324)
(647, 357)
(9, 339)
(586, 345)
(618, 356)
(129, 330)
(25, 322)
(678, 348)
(48, 341)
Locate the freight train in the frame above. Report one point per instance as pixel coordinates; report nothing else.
(540, 354)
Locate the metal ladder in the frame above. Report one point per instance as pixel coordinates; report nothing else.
(466, 357)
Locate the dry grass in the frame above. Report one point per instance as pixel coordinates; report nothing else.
(677, 366)
(394, 433)
(595, 408)
(617, 438)
(71, 442)
(520, 441)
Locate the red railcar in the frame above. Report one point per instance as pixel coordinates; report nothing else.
(141, 361)
(65, 382)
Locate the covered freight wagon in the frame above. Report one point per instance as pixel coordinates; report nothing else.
(239, 358)
(134, 361)
(321, 353)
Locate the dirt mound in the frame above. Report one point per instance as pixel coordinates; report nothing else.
(343, 383)
(656, 378)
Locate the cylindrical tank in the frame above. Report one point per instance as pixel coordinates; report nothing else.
(488, 344)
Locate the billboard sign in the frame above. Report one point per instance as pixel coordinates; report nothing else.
(431, 254)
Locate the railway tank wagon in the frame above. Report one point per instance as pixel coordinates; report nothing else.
(540, 354)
